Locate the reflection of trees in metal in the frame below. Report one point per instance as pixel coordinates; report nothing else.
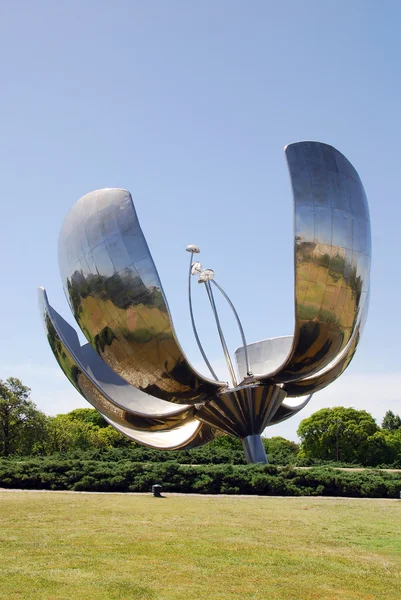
(134, 371)
(178, 425)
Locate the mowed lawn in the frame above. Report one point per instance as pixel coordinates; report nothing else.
(109, 546)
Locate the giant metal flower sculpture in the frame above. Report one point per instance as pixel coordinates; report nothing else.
(133, 370)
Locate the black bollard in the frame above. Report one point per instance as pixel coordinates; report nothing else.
(157, 490)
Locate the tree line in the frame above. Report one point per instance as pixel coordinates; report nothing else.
(331, 435)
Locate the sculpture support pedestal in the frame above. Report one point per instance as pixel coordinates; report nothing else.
(254, 449)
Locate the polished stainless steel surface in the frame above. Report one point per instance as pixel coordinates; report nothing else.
(332, 266)
(190, 436)
(134, 371)
(263, 357)
(254, 449)
(285, 411)
(332, 257)
(194, 269)
(241, 329)
(330, 373)
(243, 411)
(144, 419)
(220, 332)
(206, 276)
(116, 296)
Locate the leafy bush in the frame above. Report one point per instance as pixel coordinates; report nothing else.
(124, 475)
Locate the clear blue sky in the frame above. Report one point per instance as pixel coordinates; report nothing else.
(189, 106)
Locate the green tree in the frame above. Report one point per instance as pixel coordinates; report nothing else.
(394, 441)
(108, 437)
(280, 451)
(391, 421)
(381, 449)
(338, 433)
(66, 434)
(22, 425)
(76, 431)
(100, 433)
(87, 415)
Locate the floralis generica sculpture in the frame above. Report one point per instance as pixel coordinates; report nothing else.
(133, 370)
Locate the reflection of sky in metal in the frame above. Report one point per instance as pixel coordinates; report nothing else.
(117, 299)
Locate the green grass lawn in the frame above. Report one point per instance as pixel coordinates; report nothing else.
(108, 546)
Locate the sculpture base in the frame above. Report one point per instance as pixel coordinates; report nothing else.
(254, 449)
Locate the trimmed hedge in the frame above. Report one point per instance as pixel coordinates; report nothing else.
(128, 476)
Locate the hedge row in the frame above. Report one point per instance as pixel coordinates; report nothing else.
(127, 476)
(206, 455)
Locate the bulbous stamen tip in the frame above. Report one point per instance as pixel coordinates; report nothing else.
(205, 275)
(196, 268)
(192, 248)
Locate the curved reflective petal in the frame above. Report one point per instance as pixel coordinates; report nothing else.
(264, 356)
(323, 378)
(117, 298)
(185, 437)
(157, 415)
(285, 411)
(332, 257)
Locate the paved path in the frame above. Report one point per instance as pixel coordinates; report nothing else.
(172, 494)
